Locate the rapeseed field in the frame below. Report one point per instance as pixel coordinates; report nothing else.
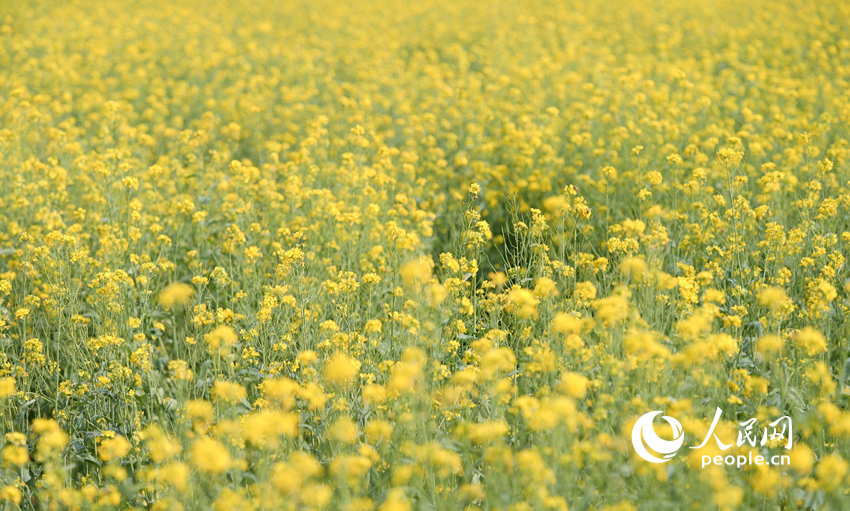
(436, 255)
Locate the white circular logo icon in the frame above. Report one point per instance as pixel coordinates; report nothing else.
(643, 433)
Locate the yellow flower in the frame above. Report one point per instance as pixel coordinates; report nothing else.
(161, 445)
(180, 370)
(406, 372)
(15, 455)
(773, 298)
(545, 288)
(417, 272)
(265, 428)
(307, 357)
(52, 440)
(614, 308)
(175, 474)
(437, 294)
(831, 472)
(282, 391)
(810, 340)
(654, 177)
(768, 345)
(396, 501)
(524, 303)
(229, 391)
(229, 500)
(585, 291)
(573, 384)
(210, 456)
(221, 337)
(498, 278)
(374, 393)
(623, 505)
(7, 387)
(199, 412)
(178, 293)
(802, 459)
(340, 369)
(379, 431)
(34, 352)
(112, 448)
(488, 431)
(564, 323)
(344, 430)
(290, 476)
(373, 326)
(11, 494)
(644, 345)
(633, 266)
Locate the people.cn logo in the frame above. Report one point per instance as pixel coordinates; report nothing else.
(643, 436)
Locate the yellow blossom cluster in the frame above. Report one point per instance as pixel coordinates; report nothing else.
(434, 255)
